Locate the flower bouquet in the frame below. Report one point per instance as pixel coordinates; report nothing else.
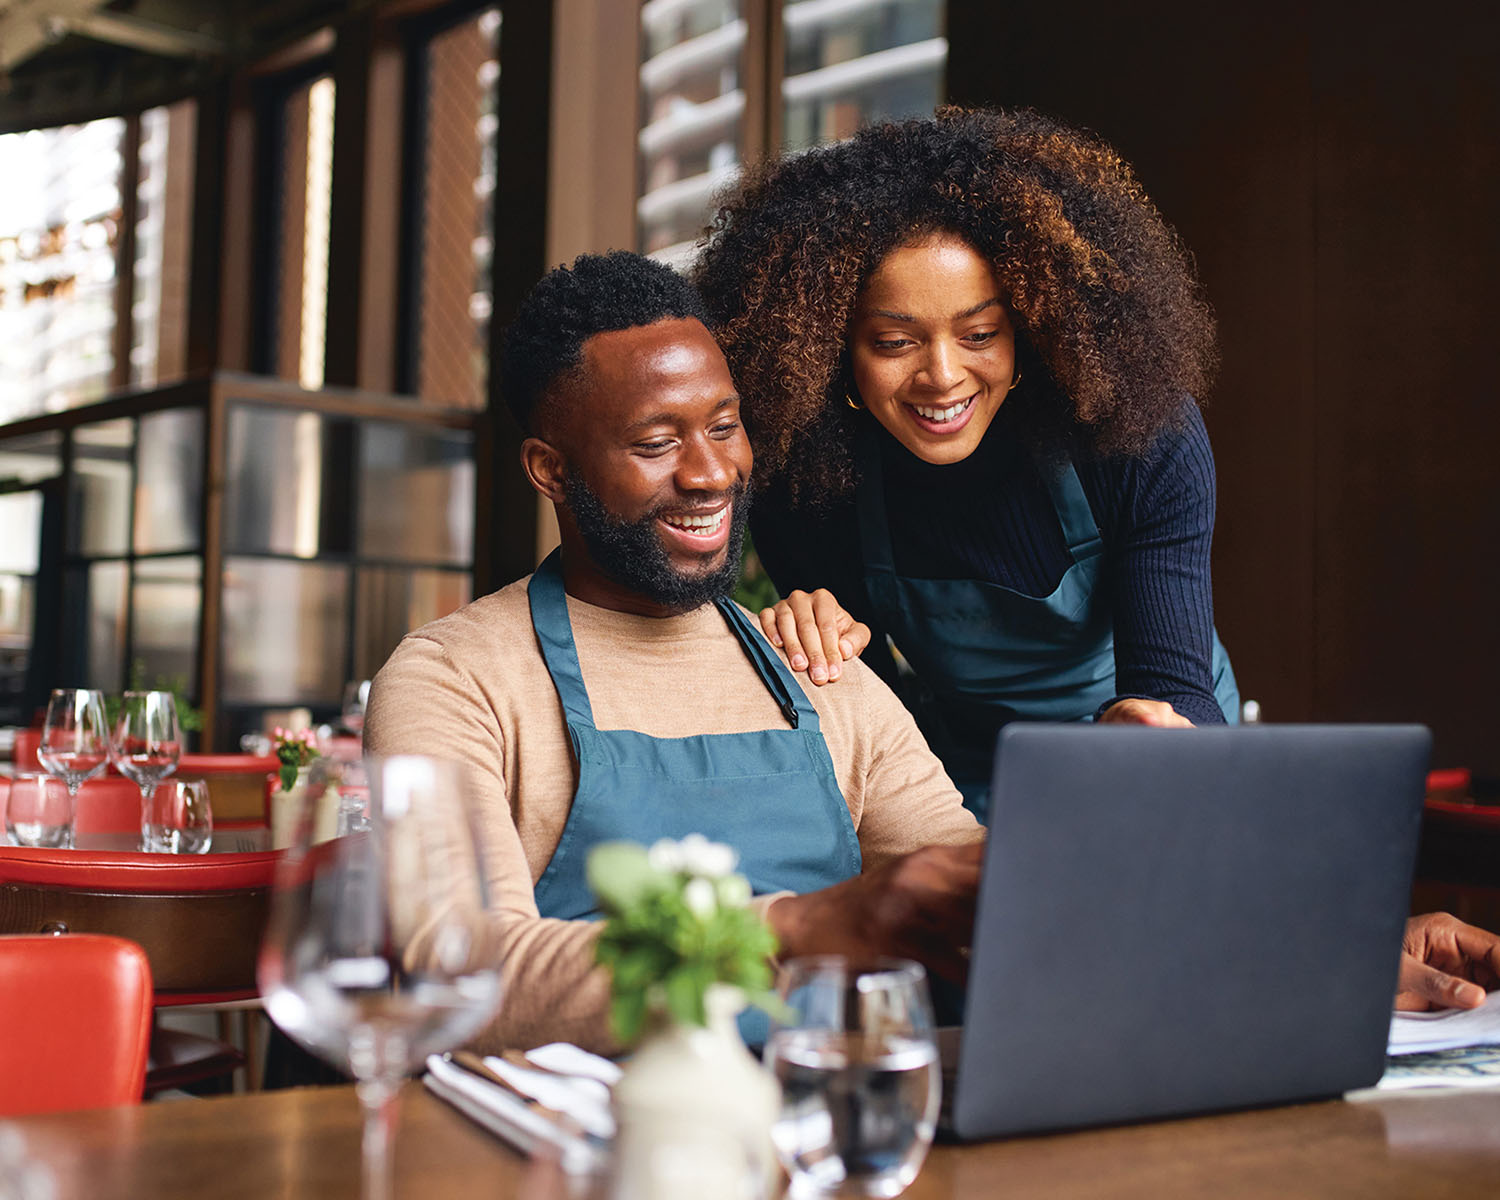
(676, 923)
(685, 953)
(295, 750)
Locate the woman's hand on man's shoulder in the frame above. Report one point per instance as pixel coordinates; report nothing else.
(816, 633)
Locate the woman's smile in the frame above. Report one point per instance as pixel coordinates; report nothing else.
(945, 418)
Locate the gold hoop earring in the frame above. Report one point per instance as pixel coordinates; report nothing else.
(851, 401)
(1013, 383)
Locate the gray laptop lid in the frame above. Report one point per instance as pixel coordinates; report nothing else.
(1175, 921)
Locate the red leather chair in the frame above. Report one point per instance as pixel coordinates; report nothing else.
(199, 919)
(76, 1012)
(107, 804)
(23, 752)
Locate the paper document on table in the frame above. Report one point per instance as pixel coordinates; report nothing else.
(1464, 1067)
(1415, 1033)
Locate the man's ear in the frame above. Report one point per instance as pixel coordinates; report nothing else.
(545, 467)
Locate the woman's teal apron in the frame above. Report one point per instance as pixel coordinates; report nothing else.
(985, 654)
(770, 793)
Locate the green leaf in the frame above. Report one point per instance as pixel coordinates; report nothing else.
(621, 875)
(684, 990)
(627, 1015)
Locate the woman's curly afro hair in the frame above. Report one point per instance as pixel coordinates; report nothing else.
(1112, 329)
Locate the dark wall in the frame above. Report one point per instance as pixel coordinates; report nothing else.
(1336, 170)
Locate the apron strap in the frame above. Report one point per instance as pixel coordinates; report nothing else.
(869, 502)
(554, 635)
(789, 697)
(1070, 502)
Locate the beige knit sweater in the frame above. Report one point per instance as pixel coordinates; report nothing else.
(473, 687)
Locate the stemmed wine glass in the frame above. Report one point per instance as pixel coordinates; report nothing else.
(374, 956)
(352, 716)
(75, 738)
(146, 744)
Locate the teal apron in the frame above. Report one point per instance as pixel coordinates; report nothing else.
(771, 794)
(985, 654)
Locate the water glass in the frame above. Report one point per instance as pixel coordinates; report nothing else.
(39, 812)
(178, 819)
(857, 1060)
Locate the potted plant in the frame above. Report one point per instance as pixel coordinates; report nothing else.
(685, 954)
(297, 751)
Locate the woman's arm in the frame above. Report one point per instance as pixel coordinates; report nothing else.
(1157, 518)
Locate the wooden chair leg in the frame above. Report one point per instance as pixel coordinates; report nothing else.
(254, 1060)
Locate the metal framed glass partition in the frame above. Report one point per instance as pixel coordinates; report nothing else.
(262, 543)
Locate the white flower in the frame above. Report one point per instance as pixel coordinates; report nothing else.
(711, 860)
(700, 898)
(665, 855)
(734, 891)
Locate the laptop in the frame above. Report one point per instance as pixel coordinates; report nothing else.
(1182, 921)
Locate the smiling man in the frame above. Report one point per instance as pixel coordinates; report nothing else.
(616, 693)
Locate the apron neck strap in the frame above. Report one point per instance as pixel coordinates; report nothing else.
(869, 501)
(554, 635)
(791, 699)
(1069, 501)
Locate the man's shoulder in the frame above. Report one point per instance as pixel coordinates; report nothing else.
(500, 616)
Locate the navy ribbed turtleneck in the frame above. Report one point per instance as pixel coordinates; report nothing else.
(989, 517)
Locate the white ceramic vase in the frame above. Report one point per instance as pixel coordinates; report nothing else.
(286, 811)
(694, 1111)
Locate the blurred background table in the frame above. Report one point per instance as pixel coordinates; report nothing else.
(305, 1143)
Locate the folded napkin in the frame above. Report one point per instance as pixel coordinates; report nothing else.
(568, 1118)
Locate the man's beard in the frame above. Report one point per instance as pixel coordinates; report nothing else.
(631, 552)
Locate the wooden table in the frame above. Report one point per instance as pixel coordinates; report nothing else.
(298, 1145)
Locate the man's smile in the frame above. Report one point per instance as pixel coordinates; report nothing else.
(702, 530)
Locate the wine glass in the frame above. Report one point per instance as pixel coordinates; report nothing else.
(857, 1061)
(146, 744)
(374, 956)
(352, 714)
(75, 738)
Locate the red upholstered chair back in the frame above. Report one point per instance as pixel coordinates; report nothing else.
(76, 1011)
(108, 804)
(23, 752)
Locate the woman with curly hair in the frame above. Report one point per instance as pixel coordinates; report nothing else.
(968, 350)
